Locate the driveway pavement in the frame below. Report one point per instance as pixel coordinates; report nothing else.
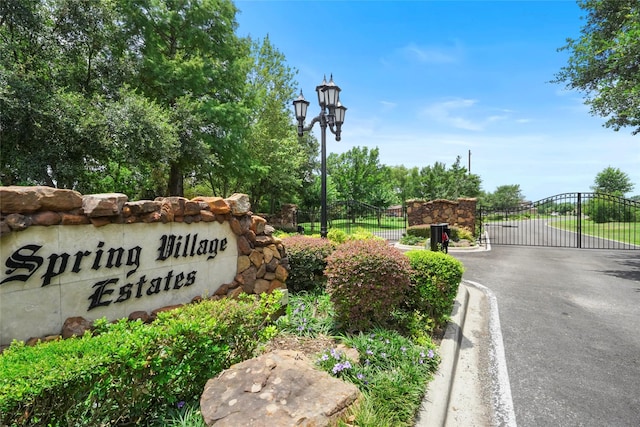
(571, 331)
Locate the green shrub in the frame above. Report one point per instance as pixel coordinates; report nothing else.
(307, 260)
(336, 235)
(361, 234)
(411, 240)
(422, 230)
(435, 278)
(464, 233)
(460, 233)
(130, 372)
(366, 280)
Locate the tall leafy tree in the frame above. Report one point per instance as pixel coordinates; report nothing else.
(604, 61)
(190, 61)
(612, 181)
(405, 182)
(504, 197)
(438, 182)
(66, 116)
(276, 155)
(357, 174)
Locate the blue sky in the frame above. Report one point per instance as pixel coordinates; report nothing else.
(427, 81)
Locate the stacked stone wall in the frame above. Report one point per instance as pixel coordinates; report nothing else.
(459, 213)
(262, 265)
(286, 219)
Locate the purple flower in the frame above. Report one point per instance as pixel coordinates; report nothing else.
(403, 349)
(339, 367)
(180, 404)
(430, 354)
(360, 376)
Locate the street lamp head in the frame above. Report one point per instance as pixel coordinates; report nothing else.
(340, 111)
(332, 93)
(322, 95)
(301, 106)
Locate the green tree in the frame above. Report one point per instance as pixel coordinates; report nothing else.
(41, 120)
(67, 117)
(277, 156)
(504, 197)
(405, 182)
(189, 60)
(612, 181)
(603, 61)
(357, 174)
(438, 182)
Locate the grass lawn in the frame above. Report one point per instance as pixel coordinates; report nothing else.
(370, 223)
(626, 232)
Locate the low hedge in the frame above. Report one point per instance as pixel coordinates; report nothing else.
(422, 230)
(435, 278)
(127, 372)
(307, 261)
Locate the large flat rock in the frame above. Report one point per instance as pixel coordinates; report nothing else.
(281, 388)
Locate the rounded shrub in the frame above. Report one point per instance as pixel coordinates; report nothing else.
(422, 230)
(307, 260)
(435, 278)
(366, 281)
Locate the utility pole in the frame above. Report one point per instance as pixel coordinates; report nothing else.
(469, 167)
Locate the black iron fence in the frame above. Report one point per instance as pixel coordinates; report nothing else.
(575, 220)
(351, 216)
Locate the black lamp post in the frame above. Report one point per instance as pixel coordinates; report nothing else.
(331, 115)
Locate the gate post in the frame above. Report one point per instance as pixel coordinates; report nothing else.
(579, 222)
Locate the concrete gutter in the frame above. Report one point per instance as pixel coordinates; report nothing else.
(471, 386)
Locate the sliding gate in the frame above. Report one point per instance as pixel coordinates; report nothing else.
(572, 220)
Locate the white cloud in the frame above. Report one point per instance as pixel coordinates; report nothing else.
(430, 54)
(460, 113)
(387, 105)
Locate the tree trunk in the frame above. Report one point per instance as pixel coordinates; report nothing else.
(176, 181)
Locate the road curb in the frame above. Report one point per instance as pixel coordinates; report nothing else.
(501, 399)
(435, 405)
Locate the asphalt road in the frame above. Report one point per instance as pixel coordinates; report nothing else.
(571, 328)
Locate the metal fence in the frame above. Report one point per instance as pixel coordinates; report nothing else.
(351, 216)
(572, 220)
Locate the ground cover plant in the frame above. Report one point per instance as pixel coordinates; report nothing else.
(129, 372)
(392, 369)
